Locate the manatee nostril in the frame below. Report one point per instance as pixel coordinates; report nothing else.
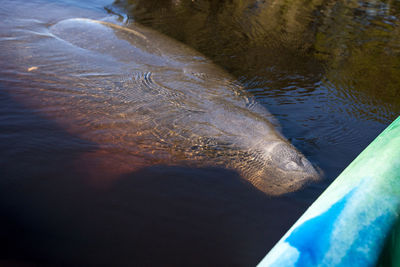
(300, 161)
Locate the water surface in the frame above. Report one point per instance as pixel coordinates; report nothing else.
(328, 71)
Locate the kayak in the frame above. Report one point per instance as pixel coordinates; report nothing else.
(355, 220)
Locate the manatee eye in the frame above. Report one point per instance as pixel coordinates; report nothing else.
(291, 166)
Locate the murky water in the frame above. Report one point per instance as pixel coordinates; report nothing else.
(77, 187)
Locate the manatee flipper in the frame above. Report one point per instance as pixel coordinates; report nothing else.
(102, 168)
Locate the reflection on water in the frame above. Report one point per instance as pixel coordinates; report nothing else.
(328, 70)
(349, 47)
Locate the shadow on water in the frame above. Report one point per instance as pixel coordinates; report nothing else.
(158, 215)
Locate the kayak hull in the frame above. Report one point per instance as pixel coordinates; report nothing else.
(351, 221)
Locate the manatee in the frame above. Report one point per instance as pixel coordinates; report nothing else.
(144, 99)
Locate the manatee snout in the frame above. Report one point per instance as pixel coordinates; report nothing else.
(284, 170)
(288, 159)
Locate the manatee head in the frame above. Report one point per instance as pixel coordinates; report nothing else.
(278, 167)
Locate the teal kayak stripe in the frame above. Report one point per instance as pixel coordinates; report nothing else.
(348, 224)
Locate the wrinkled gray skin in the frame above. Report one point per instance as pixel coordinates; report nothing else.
(135, 91)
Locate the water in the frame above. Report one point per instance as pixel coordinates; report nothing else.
(327, 70)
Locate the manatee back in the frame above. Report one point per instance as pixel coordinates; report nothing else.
(185, 93)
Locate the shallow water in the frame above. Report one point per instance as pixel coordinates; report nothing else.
(327, 70)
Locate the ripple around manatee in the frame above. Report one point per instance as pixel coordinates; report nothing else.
(146, 79)
(107, 38)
